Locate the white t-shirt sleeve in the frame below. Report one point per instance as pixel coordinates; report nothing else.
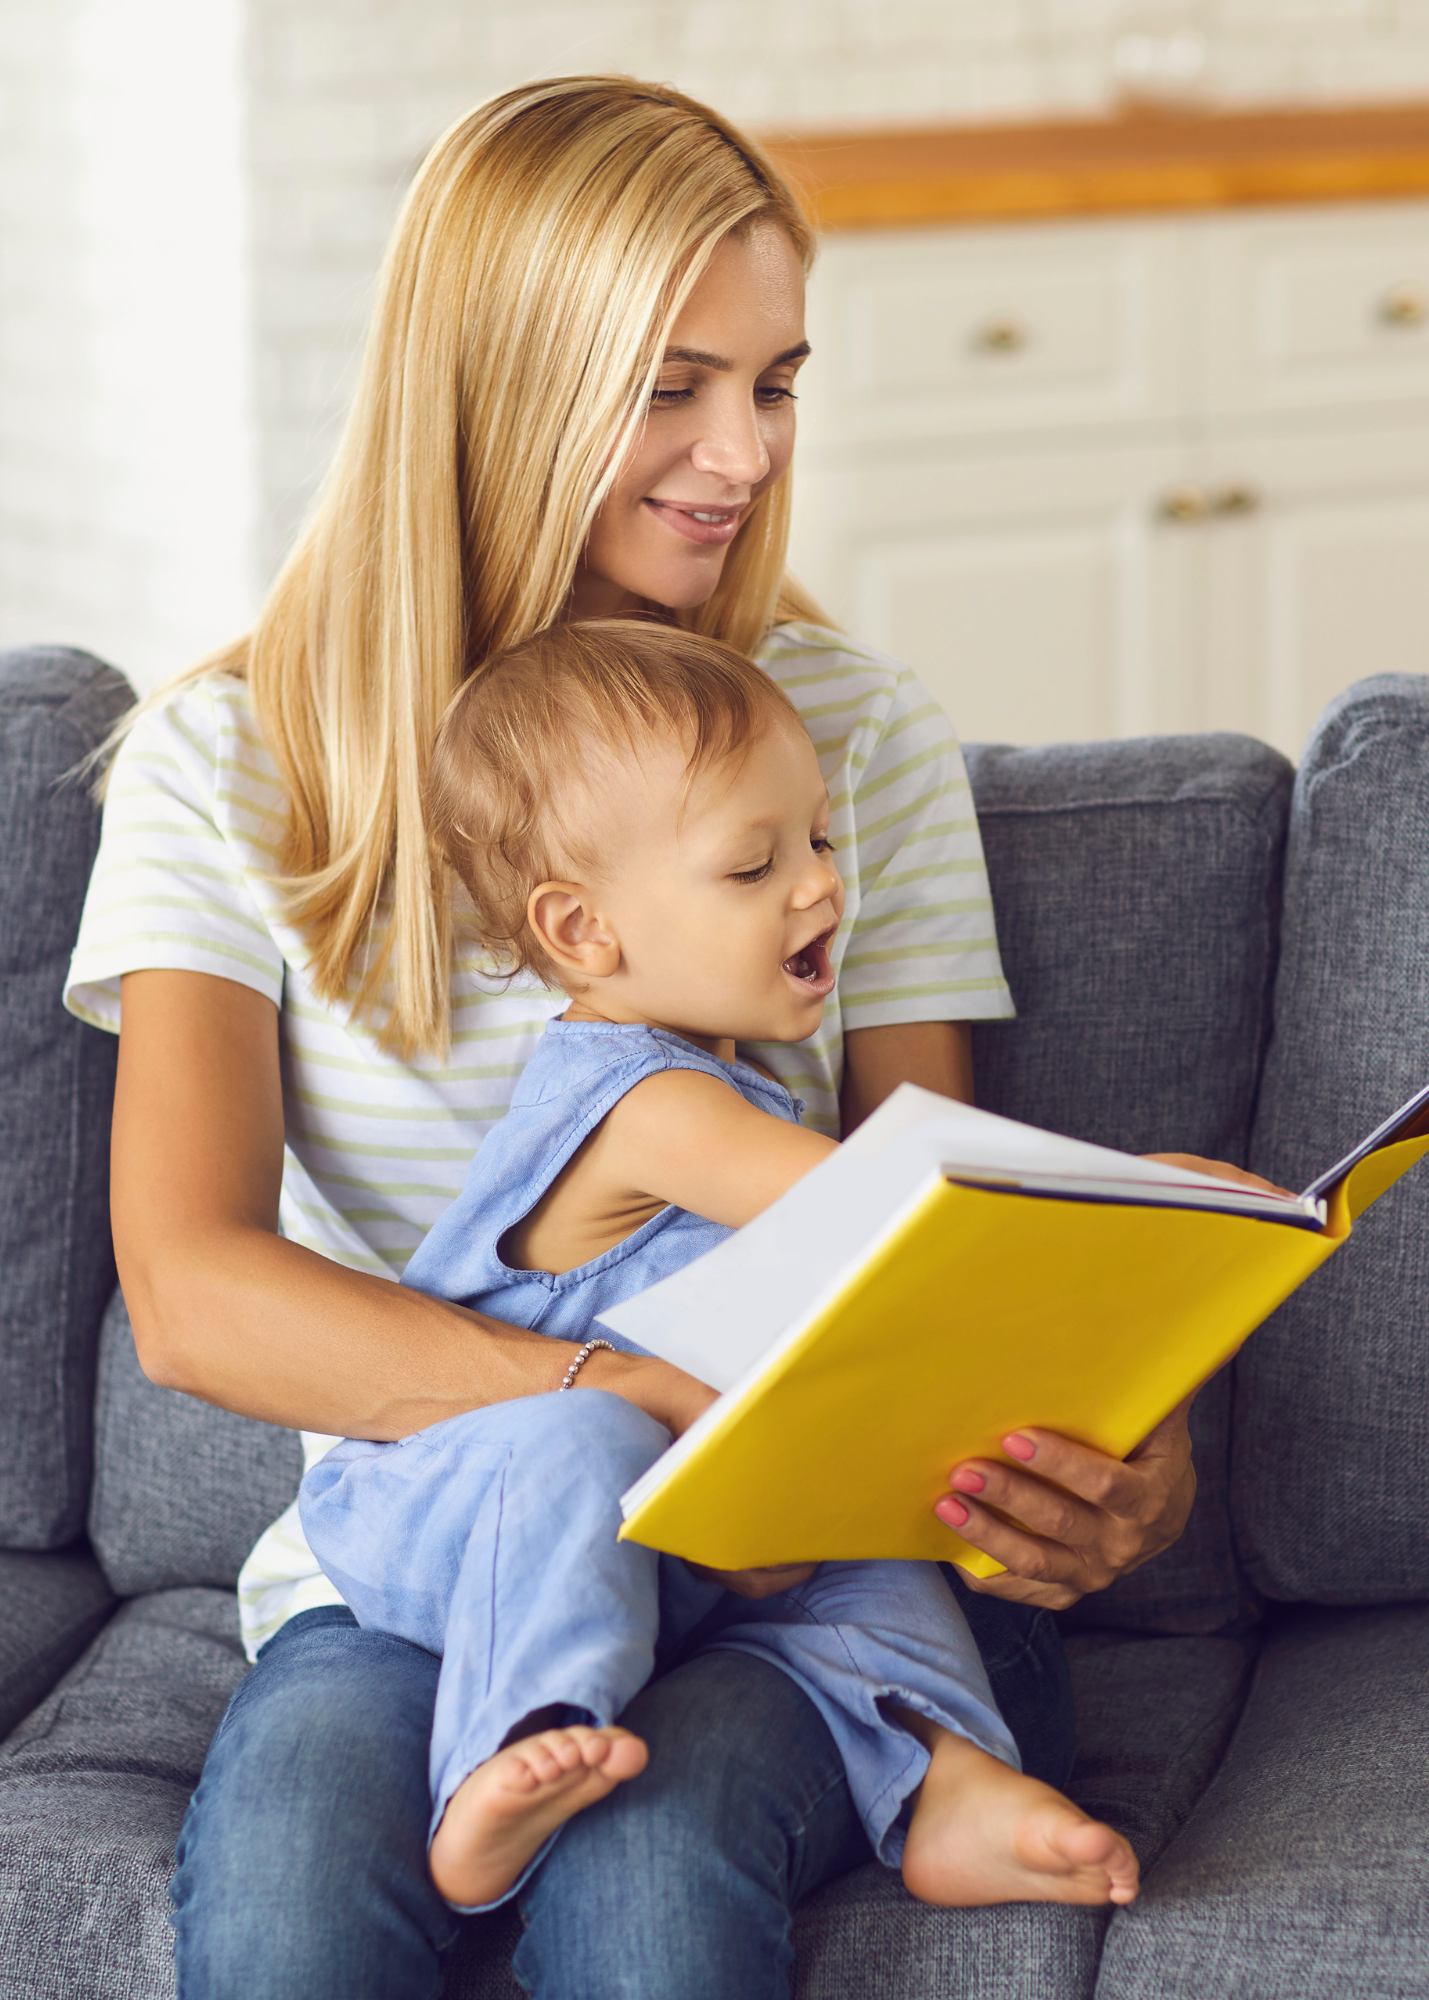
(923, 944)
(175, 886)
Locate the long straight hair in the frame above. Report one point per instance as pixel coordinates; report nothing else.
(545, 248)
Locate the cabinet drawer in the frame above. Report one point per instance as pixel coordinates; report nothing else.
(1314, 311)
(937, 334)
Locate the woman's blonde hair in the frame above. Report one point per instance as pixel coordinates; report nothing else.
(528, 742)
(547, 244)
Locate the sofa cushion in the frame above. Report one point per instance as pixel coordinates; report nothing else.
(1305, 1868)
(1331, 1459)
(1154, 1716)
(56, 1093)
(52, 1602)
(182, 1490)
(93, 1788)
(1137, 892)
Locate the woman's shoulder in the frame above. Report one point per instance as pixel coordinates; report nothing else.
(202, 732)
(797, 651)
(827, 673)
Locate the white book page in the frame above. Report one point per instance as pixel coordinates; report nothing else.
(721, 1313)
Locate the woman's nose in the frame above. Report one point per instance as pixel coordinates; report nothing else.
(732, 446)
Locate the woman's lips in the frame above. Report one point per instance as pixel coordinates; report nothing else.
(712, 527)
(810, 970)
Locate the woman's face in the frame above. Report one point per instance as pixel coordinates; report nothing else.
(720, 430)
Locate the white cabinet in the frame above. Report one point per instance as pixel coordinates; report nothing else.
(1111, 478)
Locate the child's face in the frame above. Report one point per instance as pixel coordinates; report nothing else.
(717, 921)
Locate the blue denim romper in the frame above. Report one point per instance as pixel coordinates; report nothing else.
(490, 1538)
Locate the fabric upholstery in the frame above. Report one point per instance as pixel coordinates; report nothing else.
(1331, 1475)
(93, 1787)
(1136, 889)
(182, 1490)
(1305, 1868)
(52, 1602)
(1154, 1717)
(56, 1090)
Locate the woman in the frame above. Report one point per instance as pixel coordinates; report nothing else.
(577, 401)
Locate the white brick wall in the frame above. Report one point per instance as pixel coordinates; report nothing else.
(194, 199)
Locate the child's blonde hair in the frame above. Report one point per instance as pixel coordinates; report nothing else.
(527, 740)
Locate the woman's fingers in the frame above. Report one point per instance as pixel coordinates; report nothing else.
(1064, 1519)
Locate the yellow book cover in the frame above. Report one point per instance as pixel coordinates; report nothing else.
(947, 1277)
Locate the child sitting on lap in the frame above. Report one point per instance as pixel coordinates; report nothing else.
(639, 818)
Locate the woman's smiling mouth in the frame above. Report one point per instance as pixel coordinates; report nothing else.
(712, 527)
(810, 968)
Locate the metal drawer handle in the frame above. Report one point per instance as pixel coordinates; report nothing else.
(1188, 504)
(1001, 336)
(1185, 504)
(1405, 305)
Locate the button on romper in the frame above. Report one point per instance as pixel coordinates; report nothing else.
(490, 1538)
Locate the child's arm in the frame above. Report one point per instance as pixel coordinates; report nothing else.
(687, 1138)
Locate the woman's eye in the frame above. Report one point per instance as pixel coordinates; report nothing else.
(773, 396)
(821, 844)
(666, 398)
(752, 874)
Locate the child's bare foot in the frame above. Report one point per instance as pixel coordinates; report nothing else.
(498, 1817)
(983, 1833)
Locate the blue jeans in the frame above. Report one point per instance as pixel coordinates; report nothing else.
(302, 1866)
(439, 1538)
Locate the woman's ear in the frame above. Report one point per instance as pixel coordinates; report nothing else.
(574, 935)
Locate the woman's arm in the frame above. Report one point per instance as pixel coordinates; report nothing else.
(225, 1309)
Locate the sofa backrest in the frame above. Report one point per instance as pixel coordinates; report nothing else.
(56, 1090)
(1137, 892)
(1330, 1478)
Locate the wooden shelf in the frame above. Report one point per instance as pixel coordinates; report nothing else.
(902, 178)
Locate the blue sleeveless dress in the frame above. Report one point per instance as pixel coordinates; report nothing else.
(579, 1071)
(491, 1537)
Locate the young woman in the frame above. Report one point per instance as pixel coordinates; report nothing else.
(577, 401)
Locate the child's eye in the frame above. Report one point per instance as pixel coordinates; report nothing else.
(821, 844)
(752, 874)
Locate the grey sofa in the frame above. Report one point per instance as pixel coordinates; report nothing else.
(1207, 952)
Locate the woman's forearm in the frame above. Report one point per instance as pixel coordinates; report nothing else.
(225, 1309)
(271, 1330)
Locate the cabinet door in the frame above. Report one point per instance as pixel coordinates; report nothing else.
(1040, 598)
(1318, 574)
(1315, 312)
(932, 335)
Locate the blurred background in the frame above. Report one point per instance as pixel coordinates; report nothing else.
(1119, 415)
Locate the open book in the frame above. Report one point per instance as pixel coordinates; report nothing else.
(948, 1276)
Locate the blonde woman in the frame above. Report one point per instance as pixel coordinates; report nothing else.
(577, 401)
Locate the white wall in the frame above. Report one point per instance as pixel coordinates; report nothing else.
(194, 198)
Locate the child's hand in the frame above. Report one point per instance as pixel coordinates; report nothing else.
(1220, 1168)
(757, 1583)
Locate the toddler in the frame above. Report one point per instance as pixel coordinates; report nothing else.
(639, 818)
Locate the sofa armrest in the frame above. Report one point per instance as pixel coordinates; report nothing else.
(52, 1603)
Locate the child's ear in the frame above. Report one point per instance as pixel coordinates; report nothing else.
(576, 938)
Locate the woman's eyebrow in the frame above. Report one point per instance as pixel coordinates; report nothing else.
(699, 359)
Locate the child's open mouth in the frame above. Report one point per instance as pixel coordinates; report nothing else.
(810, 966)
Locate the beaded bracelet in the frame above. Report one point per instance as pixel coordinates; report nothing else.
(580, 1359)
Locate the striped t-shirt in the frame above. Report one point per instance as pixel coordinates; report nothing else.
(376, 1147)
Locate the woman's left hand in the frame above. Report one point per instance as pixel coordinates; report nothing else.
(1084, 1519)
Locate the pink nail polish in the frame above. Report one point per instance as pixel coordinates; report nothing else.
(969, 1482)
(952, 1511)
(1018, 1446)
